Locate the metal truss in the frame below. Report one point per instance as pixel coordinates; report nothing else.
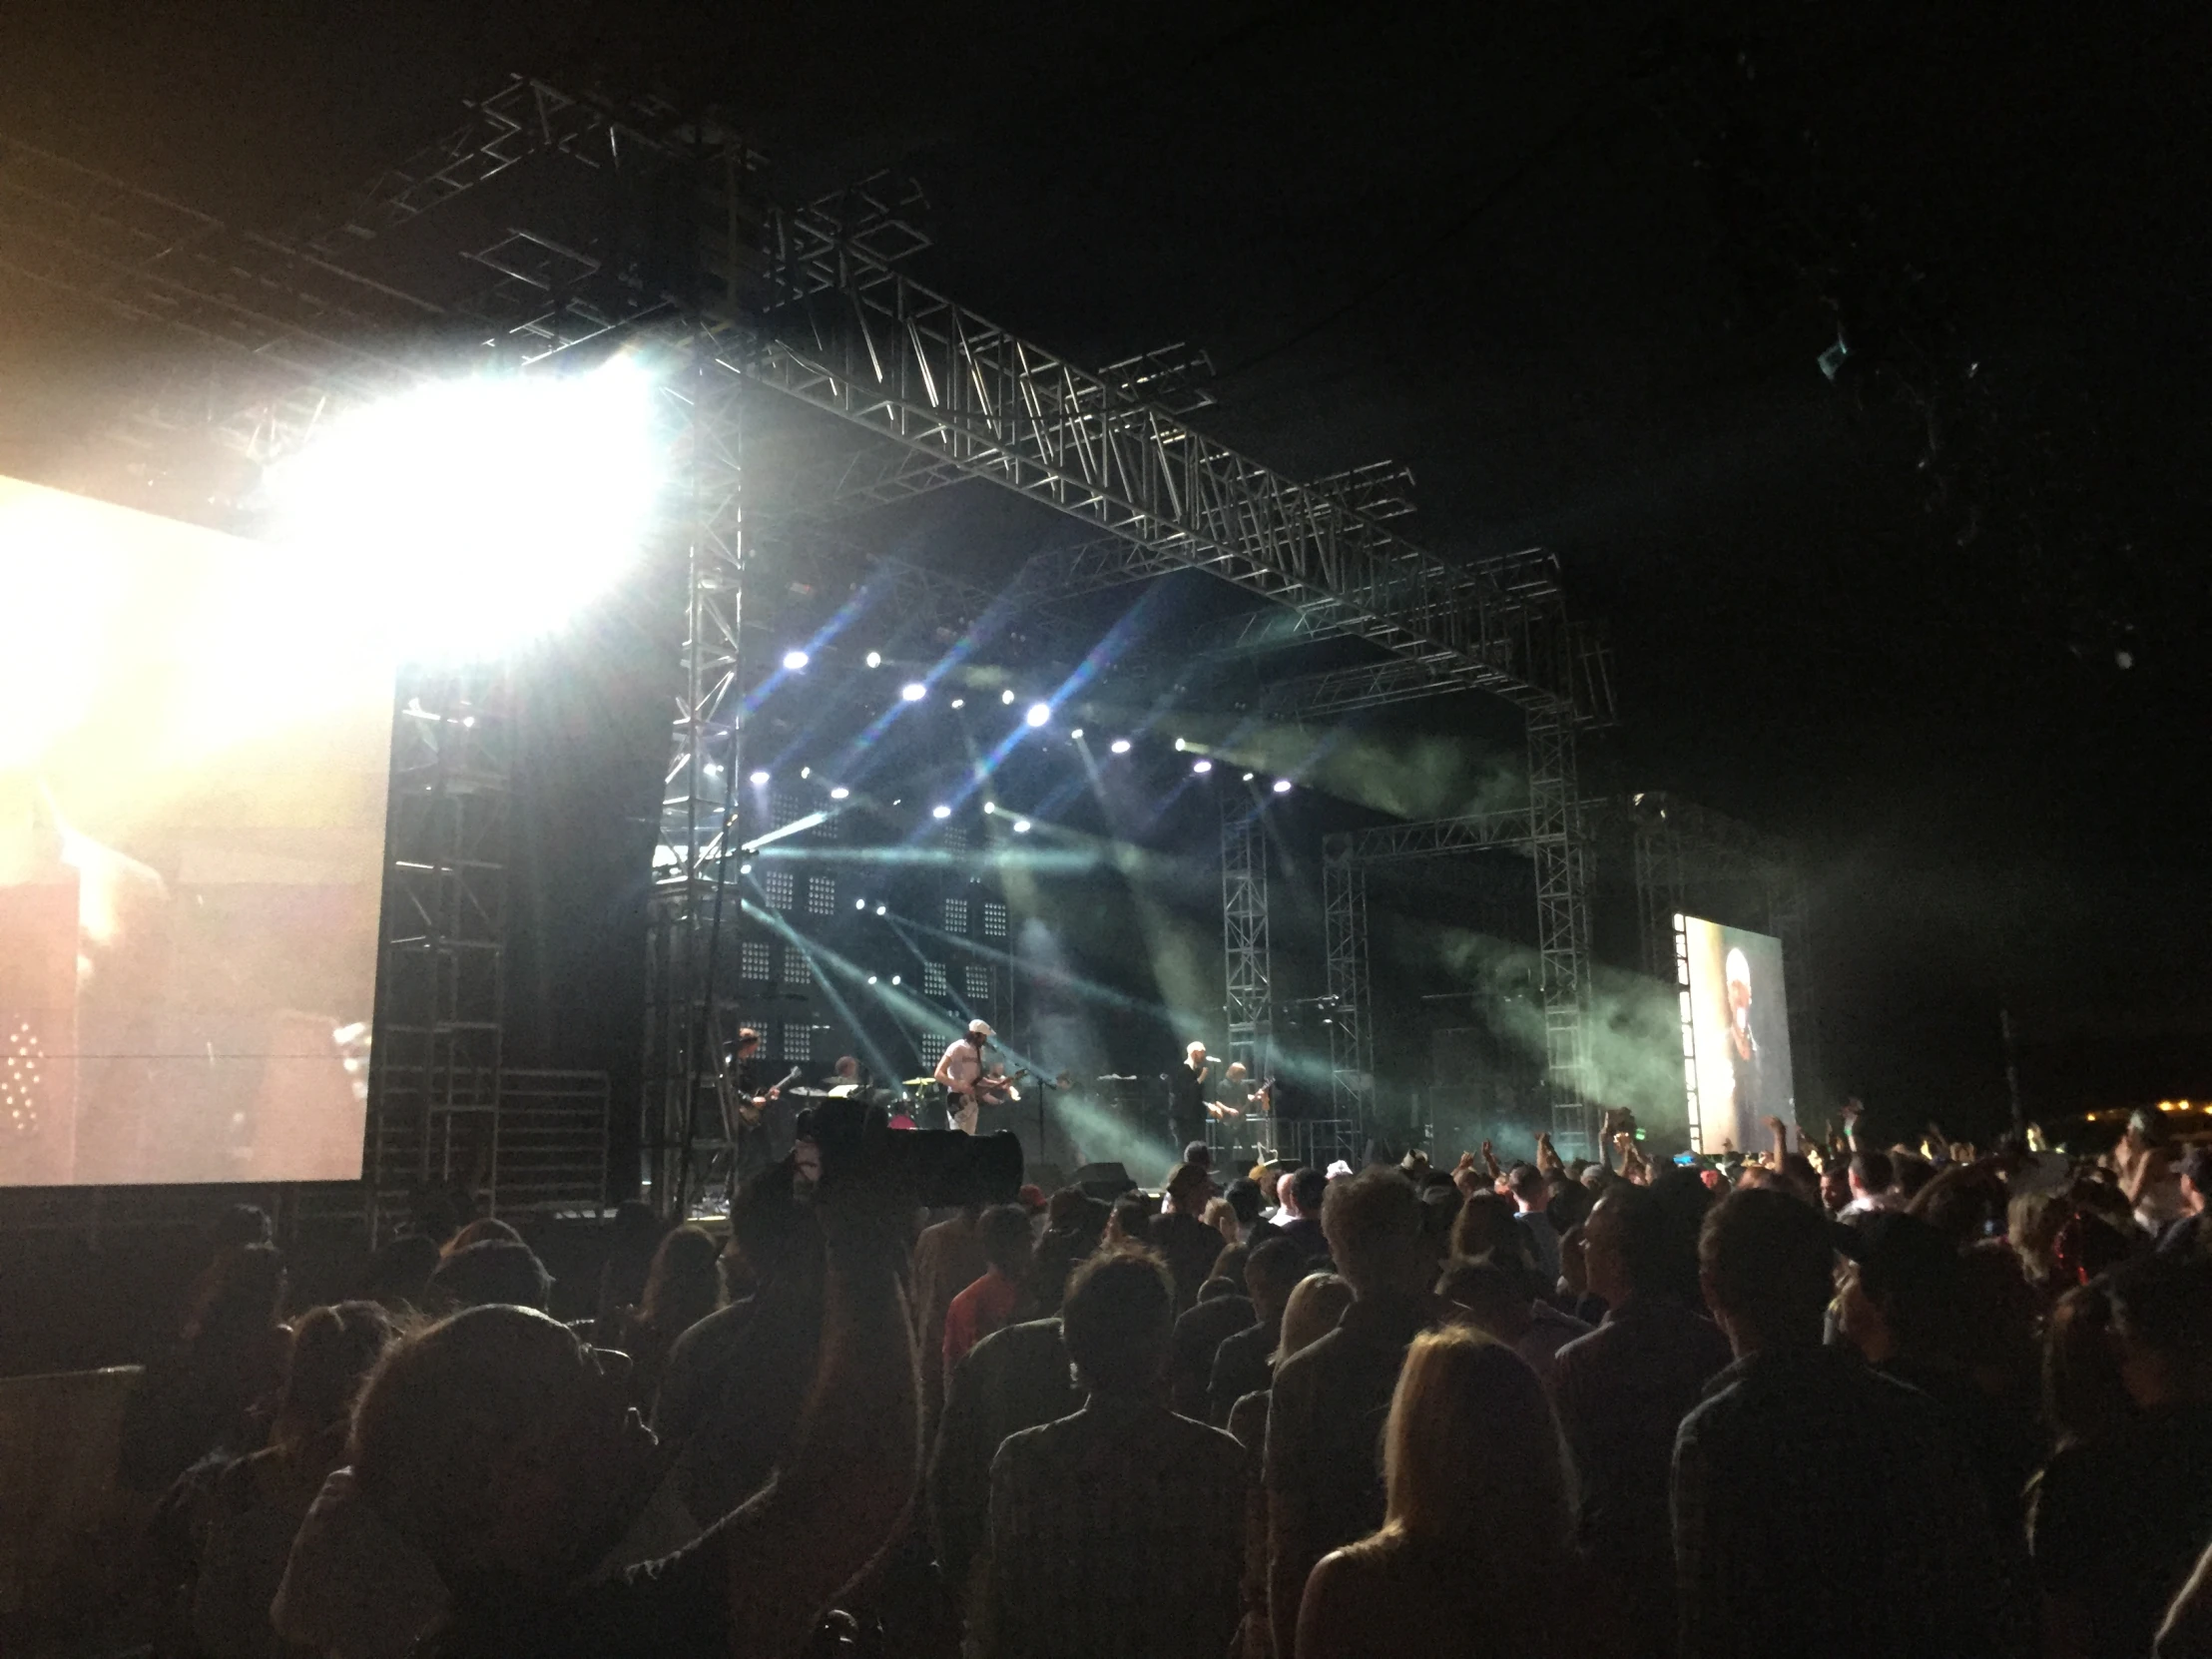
(1248, 968)
(436, 1048)
(1344, 892)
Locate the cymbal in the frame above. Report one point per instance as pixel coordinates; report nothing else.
(916, 1082)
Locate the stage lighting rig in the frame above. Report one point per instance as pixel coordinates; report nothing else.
(1021, 826)
(915, 690)
(1007, 696)
(793, 660)
(1202, 767)
(940, 811)
(1282, 785)
(1039, 713)
(1120, 746)
(876, 659)
(758, 779)
(841, 792)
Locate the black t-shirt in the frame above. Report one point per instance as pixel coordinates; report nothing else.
(674, 1608)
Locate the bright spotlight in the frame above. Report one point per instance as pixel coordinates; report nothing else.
(1006, 696)
(1076, 736)
(860, 904)
(894, 978)
(1120, 746)
(989, 806)
(516, 498)
(872, 978)
(1248, 777)
(841, 792)
(959, 701)
(940, 811)
(1282, 785)
(745, 869)
(1201, 766)
(876, 659)
(1021, 826)
(805, 772)
(796, 659)
(1038, 713)
(1180, 745)
(882, 910)
(913, 691)
(759, 777)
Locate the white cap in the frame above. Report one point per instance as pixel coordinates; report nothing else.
(977, 1028)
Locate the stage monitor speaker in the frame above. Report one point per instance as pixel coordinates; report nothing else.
(1104, 1181)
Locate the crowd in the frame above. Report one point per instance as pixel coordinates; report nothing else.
(1828, 1398)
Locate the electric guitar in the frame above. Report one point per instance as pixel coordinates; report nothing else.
(750, 1112)
(995, 1091)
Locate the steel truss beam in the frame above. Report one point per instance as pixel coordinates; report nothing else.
(1344, 891)
(1248, 968)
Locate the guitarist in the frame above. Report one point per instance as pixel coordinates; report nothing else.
(960, 1070)
(745, 1106)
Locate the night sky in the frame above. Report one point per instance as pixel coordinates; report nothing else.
(1940, 617)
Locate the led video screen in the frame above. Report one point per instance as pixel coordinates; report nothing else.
(195, 742)
(1734, 1034)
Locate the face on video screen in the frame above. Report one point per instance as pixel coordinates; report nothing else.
(1734, 1034)
(192, 775)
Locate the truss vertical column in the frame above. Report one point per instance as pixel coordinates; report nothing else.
(694, 901)
(1562, 916)
(436, 1051)
(1344, 887)
(1247, 971)
(1658, 868)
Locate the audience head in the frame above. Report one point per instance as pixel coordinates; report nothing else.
(1372, 1223)
(1118, 1322)
(1767, 1270)
(1199, 1155)
(495, 1442)
(1495, 1299)
(243, 1293)
(237, 1225)
(1271, 1273)
(1471, 1438)
(1904, 1296)
(332, 1350)
(494, 1270)
(1130, 1222)
(1528, 1185)
(2085, 1395)
(1243, 1198)
(400, 1273)
(1317, 1303)
(479, 1231)
(1485, 1230)
(1835, 1186)
(1187, 1190)
(685, 1284)
(2162, 1313)
(434, 1216)
(1004, 1234)
(773, 1233)
(1626, 1244)
(1568, 1202)
(1871, 1174)
(1072, 1232)
(1303, 1191)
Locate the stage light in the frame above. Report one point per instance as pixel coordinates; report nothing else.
(1202, 767)
(882, 910)
(796, 659)
(872, 978)
(913, 691)
(1282, 785)
(745, 869)
(1076, 736)
(805, 772)
(989, 806)
(1021, 826)
(959, 701)
(1006, 696)
(1248, 777)
(759, 777)
(894, 978)
(876, 659)
(841, 792)
(515, 498)
(1180, 745)
(1120, 746)
(1038, 713)
(860, 904)
(940, 811)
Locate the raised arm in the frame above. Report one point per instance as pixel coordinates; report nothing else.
(795, 1547)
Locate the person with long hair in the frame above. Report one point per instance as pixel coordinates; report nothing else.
(1478, 1515)
(683, 1287)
